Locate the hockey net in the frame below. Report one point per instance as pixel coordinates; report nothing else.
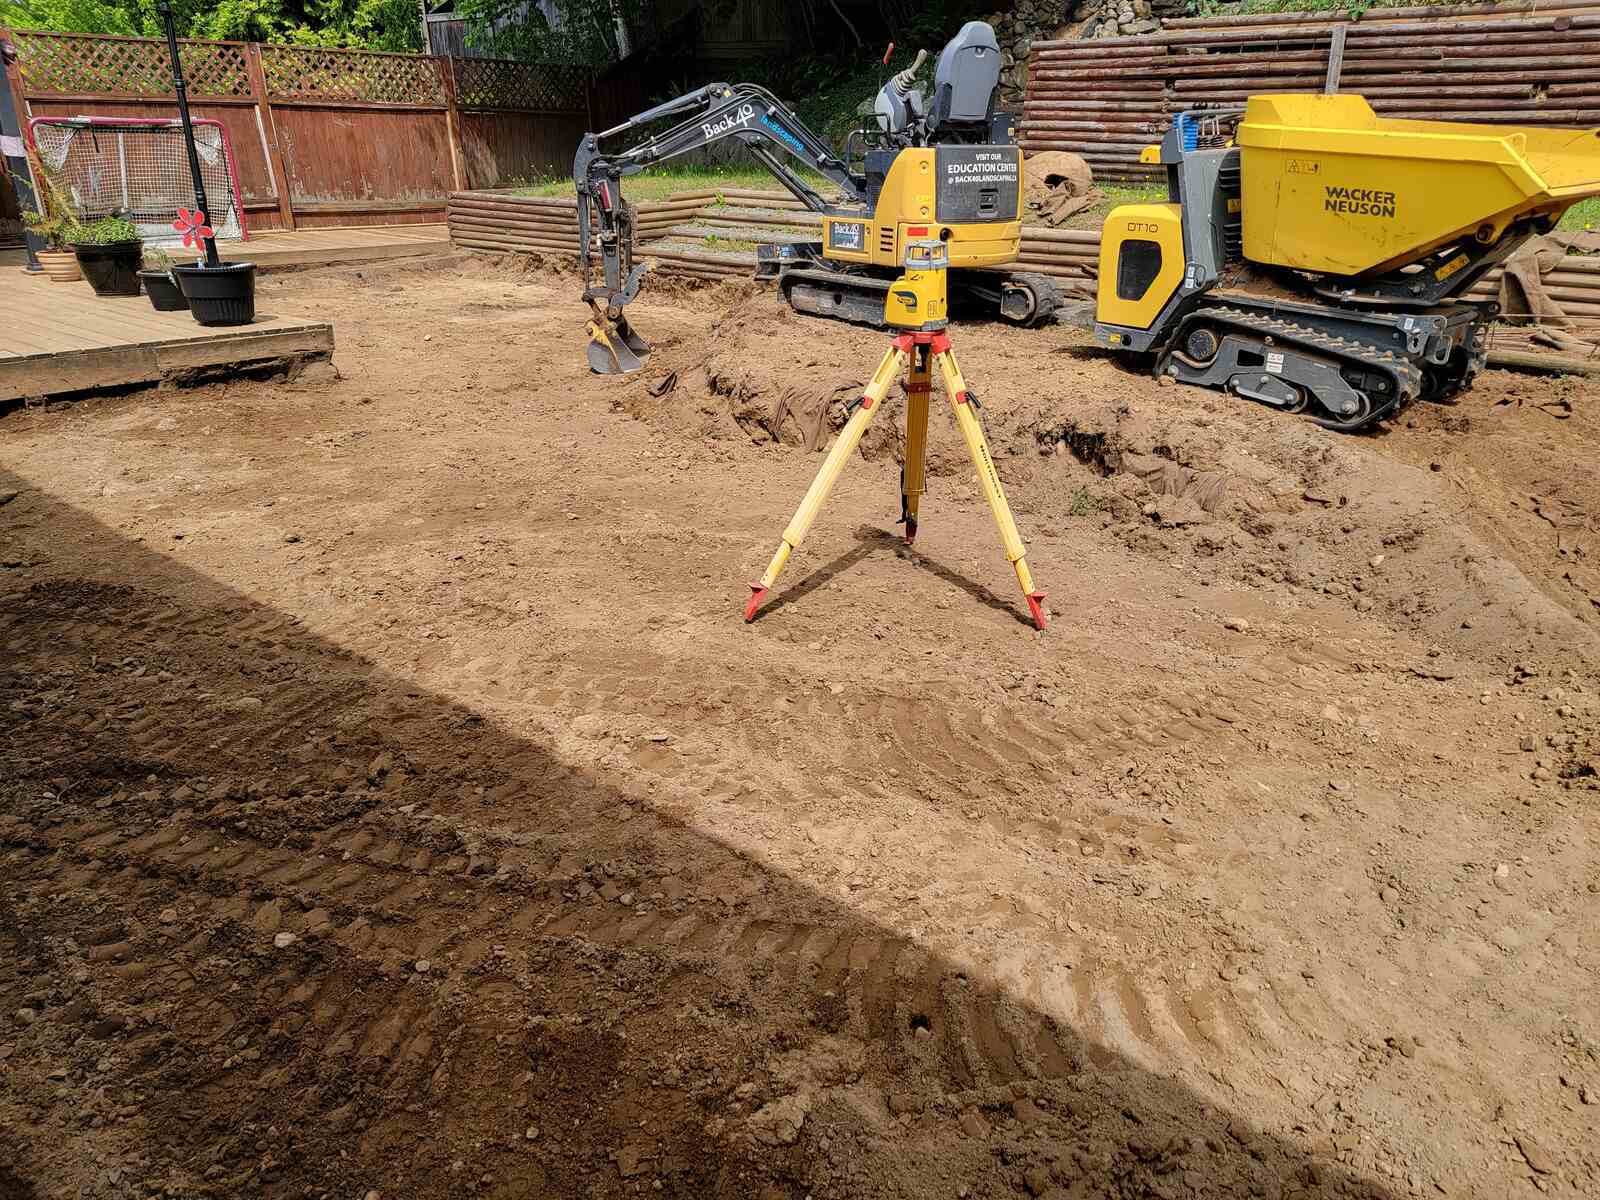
(139, 169)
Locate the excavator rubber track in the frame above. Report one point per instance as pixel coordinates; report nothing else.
(1339, 382)
(859, 298)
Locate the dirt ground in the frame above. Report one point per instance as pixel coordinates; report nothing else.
(393, 804)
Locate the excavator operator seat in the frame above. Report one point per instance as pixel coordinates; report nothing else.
(965, 79)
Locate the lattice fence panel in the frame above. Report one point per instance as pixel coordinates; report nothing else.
(62, 63)
(524, 87)
(302, 72)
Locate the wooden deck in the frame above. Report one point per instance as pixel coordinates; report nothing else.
(273, 249)
(61, 337)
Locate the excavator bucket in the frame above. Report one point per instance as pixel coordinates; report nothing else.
(614, 348)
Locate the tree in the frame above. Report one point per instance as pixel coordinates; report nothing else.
(366, 24)
(588, 32)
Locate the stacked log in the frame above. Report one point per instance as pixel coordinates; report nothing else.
(655, 218)
(1107, 98)
(499, 221)
(489, 220)
(686, 258)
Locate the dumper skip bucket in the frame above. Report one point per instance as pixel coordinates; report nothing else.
(1329, 186)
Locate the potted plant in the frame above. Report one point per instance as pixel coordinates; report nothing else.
(219, 293)
(59, 263)
(159, 284)
(109, 251)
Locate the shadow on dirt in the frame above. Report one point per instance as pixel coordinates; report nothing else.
(871, 540)
(255, 839)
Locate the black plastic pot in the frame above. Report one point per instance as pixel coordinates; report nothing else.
(163, 290)
(221, 295)
(112, 269)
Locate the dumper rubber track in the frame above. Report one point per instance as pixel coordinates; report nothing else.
(1375, 383)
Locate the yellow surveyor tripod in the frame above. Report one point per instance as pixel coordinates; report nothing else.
(917, 302)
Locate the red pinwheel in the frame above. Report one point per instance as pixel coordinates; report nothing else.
(192, 224)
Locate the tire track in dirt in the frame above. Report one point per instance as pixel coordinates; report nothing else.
(372, 885)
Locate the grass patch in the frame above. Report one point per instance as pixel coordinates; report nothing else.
(1116, 193)
(1585, 214)
(727, 245)
(658, 183)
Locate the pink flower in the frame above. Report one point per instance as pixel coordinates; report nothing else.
(192, 224)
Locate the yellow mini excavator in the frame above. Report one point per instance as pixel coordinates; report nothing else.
(1314, 257)
(947, 169)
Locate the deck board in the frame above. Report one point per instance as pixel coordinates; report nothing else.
(321, 247)
(61, 337)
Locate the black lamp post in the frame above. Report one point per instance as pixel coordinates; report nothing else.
(164, 7)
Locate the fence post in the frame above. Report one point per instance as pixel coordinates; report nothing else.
(269, 130)
(452, 116)
(1335, 60)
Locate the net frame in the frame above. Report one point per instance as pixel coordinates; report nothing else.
(138, 167)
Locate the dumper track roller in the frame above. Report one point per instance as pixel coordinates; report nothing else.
(1340, 382)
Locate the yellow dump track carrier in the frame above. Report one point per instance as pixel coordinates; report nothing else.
(1376, 227)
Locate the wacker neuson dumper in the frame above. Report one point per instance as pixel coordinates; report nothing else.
(1314, 256)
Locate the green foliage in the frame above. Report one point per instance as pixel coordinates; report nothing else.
(56, 221)
(157, 259)
(69, 16)
(1585, 214)
(57, 231)
(107, 231)
(588, 32)
(828, 92)
(363, 24)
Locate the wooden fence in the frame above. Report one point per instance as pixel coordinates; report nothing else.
(326, 137)
(1523, 63)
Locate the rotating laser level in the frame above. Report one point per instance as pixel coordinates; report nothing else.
(918, 303)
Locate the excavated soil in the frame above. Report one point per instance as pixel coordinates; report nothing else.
(392, 803)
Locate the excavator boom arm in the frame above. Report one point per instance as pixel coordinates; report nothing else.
(745, 112)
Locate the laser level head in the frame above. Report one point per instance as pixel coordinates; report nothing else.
(919, 299)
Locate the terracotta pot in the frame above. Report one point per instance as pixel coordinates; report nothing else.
(60, 266)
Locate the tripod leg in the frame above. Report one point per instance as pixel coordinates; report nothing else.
(919, 385)
(989, 478)
(832, 467)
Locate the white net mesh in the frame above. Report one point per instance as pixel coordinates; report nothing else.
(140, 171)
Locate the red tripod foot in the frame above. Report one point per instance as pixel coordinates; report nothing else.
(1036, 608)
(757, 595)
